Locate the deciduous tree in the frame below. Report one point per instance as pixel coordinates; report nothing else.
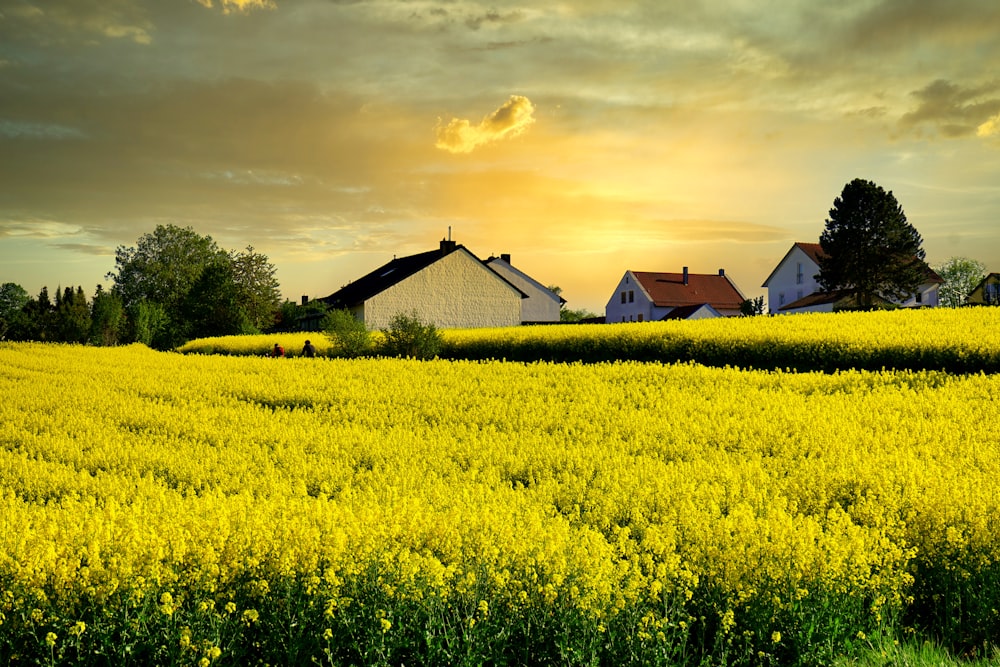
(961, 275)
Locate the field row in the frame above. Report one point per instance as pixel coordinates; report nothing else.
(250, 509)
(965, 340)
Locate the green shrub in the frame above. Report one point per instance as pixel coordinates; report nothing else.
(407, 336)
(349, 335)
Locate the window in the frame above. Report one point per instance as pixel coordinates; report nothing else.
(631, 296)
(798, 273)
(640, 317)
(919, 297)
(623, 297)
(991, 293)
(781, 299)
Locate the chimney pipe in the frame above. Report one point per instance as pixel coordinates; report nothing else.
(722, 272)
(305, 299)
(685, 275)
(505, 256)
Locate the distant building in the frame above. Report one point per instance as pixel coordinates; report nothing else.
(448, 287)
(643, 296)
(792, 286)
(987, 292)
(541, 304)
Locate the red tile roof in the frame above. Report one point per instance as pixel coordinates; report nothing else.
(814, 250)
(667, 290)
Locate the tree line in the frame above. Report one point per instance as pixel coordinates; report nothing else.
(172, 286)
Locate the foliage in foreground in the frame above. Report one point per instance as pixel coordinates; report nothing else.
(165, 509)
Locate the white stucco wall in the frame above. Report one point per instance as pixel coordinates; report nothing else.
(929, 297)
(457, 291)
(637, 307)
(542, 305)
(785, 286)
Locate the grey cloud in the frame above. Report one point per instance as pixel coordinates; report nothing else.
(954, 110)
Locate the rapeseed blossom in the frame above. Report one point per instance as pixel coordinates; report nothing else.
(658, 500)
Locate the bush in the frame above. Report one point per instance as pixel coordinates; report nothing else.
(349, 335)
(407, 336)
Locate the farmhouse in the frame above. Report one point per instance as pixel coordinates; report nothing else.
(448, 287)
(792, 286)
(541, 305)
(643, 296)
(987, 292)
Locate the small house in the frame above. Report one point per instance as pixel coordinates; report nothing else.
(642, 296)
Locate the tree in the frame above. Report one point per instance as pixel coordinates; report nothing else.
(107, 318)
(960, 275)
(72, 316)
(871, 251)
(752, 307)
(161, 269)
(213, 306)
(38, 318)
(566, 315)
(13, 299)
(257, 286)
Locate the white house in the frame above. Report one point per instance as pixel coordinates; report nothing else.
(642, 296)
(541, 304)
(449, 288)
(792, 286)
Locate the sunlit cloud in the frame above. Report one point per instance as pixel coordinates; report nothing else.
(230, 6)
(38, 229)
(990, 127)
(510, 120)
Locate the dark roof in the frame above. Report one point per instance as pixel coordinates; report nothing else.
(667, 290)
(684, 312)
(399, 269)
(381, 279)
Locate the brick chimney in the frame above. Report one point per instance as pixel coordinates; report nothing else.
(305, 299)
(447, 246)
(505, 256)
(685, 275)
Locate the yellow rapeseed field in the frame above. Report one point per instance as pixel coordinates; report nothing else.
(156, 507)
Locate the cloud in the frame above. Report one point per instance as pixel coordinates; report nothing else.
(510, 120)
(243, 6)
(952, 108)
(990, 127)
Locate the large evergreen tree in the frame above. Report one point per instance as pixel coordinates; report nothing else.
(871, 251)
(13, 299)
(107, 318)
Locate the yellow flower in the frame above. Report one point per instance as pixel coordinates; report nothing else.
(51, 638)
(385, 624)
(776, 637)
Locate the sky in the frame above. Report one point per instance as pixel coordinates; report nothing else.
(585, 137)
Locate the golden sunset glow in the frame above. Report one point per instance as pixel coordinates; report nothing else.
(584, 138)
